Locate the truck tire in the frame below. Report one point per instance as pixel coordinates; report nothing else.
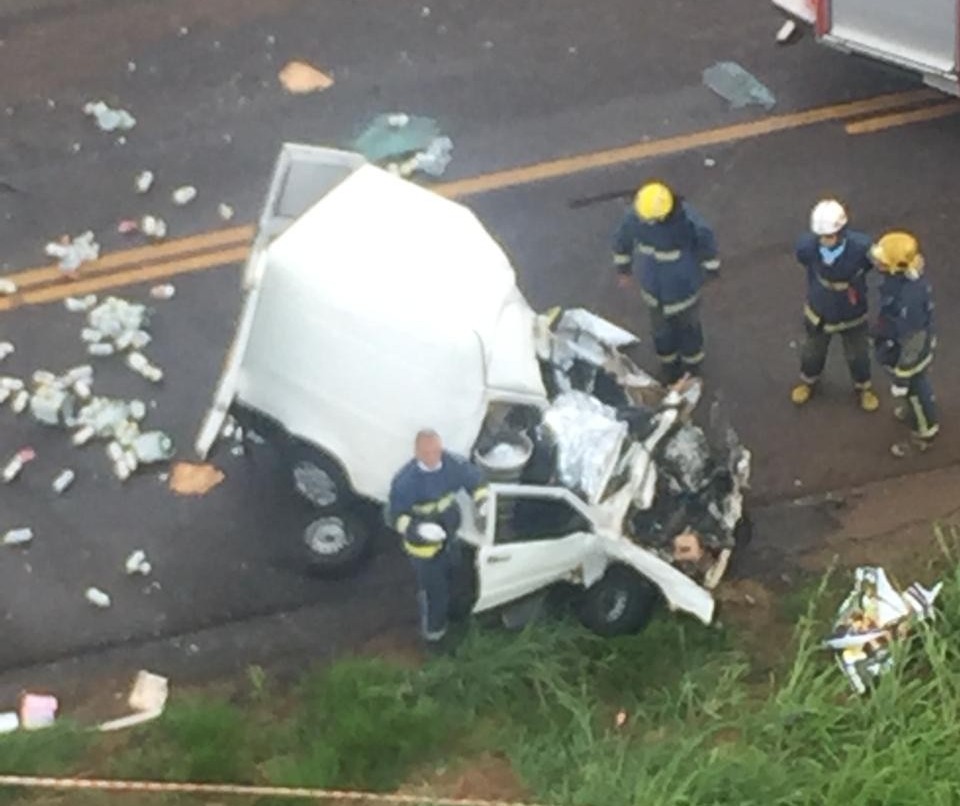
(335, 544)
(622, 602)
(318, 478)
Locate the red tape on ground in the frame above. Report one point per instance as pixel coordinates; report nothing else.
(160, 787)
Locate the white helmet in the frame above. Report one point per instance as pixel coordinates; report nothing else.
(828, 218)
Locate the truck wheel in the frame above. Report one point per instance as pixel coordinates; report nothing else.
(622, 602)
(318, 479)
(335, 544)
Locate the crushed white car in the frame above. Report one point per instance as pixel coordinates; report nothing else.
(351, 339)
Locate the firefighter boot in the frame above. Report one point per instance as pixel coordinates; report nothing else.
(868, 399)
(801, 393)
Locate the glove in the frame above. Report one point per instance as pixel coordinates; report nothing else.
(431, 532)
(898, 391)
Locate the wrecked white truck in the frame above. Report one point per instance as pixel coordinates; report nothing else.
(350, 340)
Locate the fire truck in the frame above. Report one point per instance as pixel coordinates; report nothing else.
(921, 36)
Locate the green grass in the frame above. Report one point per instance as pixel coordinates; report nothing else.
(703, 728)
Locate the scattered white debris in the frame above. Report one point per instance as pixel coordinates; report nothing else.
(71, 254)
(20, 401)
(137, 564)
(793, 345)
(271, 40)
(6, 349)
(108, 119)
(121, 140)
(37, 711)
(16, 464)
(425, 11)
(184, 195)
(225, 211)
(131, 67)
(63, 481)
(710, 162)
(143, 181)
(140, 364)
(183, 30)
(147, 699)
(786, 31)
(153, 227)
(97, 598)
(51, 104)
(7, 287)
(11, 384)
(18, 537)
(163, 292)
(75, 148)
(127, 226)
(80, 304)
(101, 349)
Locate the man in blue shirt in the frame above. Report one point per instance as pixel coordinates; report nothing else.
(424, 510)
(668, 246)
(837, 260)
(904, 337)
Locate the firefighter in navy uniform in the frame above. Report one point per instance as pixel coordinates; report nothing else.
(904, 338)
(424, 510)
(837, 260)
(669, 246)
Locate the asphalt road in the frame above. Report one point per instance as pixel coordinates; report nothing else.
(512, 83)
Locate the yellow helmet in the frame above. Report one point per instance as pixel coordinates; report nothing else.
(897, 252)
(653, 202)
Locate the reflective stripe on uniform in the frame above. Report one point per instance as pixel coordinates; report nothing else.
(621, 260)
(678, 307)
(403, 523)
(433, 507)
(832, 327)
(693, 360)
(667, 359)
(833, 286)
(481, 493)
(711, 265)
(661, 257)
(649, 299)
(422, 552)
(916, 369)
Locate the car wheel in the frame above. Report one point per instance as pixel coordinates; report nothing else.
(335, 544)
(622, 602)
(318, 479)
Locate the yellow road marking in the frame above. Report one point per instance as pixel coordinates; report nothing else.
(231, 244)
(882, 122)
(554, 169)
(207, 260)
(195, 243)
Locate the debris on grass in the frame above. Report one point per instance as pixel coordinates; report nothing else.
(300, 78)
(872, 617)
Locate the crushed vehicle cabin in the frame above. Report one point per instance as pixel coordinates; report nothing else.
(346, 346)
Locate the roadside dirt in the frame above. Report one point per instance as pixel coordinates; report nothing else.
(488, 777)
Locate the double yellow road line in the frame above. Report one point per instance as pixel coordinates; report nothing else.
(230, 246)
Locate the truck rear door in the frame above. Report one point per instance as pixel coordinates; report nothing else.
(920, 35)
(302, 176)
